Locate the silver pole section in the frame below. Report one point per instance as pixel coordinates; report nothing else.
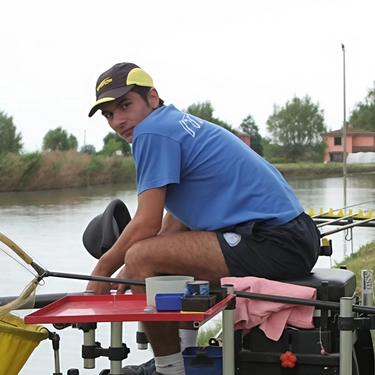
(344, 127)
(56, 345)
(367, 288)
(228, 337)
(116, 342)
(346, 337)
(89, 340)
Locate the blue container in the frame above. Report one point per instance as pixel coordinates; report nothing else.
(168, 301)
(206, 360)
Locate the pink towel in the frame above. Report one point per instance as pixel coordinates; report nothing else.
(272, 317)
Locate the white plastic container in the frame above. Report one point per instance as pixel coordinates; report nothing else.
(165, 284)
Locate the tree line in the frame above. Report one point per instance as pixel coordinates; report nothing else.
(294, 131)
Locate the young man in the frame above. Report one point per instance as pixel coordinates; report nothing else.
(229, 212)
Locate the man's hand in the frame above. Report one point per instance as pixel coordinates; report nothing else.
(120, 288)
(99, 287)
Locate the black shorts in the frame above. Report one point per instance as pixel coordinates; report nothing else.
(274, 252)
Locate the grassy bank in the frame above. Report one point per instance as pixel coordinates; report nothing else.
(57, 170)
(363, 259)
(322, 170)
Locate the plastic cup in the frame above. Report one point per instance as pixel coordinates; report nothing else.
(165, 284)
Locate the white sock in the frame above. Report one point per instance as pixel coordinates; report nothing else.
(170, 364)
(188, 338)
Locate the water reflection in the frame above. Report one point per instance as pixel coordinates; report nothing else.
(73, 196)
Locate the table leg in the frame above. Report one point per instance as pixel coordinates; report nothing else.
(228, 336)
(116, 342)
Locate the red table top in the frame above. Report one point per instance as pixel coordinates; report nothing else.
(113, 308)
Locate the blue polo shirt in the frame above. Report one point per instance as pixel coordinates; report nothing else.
(213, 179)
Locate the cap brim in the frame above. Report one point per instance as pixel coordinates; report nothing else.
(110, 96)
(104, 229)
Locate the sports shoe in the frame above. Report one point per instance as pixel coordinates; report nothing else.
(147, 368)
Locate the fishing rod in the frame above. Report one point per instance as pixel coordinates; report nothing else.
(104, 279)
(42, 272)
(348, 226)
(335, 220)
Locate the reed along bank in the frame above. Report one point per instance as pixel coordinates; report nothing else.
(67, 169)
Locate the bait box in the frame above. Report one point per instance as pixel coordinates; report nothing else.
(168, 301)
(198, 302)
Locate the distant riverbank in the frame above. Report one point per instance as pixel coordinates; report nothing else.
(58, 170)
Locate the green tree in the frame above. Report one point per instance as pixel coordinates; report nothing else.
(123, 145)
(297, 127)
(205, 111)
(249, 126)
(111, 147)
(88, 149)
(10, 140)
(363, 115)
(58, 139)
(274, 153)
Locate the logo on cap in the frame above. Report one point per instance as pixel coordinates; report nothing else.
(104, 82)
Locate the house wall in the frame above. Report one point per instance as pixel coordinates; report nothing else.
(363, 141)
(349, 144)
(351, 141)
(336, 148)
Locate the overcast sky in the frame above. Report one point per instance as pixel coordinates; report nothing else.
(243, 56)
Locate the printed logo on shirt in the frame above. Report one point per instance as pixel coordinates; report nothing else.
(188, 122)
(233, 239)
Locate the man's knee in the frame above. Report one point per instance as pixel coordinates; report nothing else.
(137, 263)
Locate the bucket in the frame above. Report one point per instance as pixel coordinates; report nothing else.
(165, 284)
(17, 342)
(203, 360)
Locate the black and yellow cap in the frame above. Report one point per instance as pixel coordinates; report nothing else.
(118, 81)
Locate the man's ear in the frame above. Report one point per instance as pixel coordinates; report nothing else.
(153, 98)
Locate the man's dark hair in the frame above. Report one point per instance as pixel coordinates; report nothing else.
(142, 91)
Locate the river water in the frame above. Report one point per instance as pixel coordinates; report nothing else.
(49, 226)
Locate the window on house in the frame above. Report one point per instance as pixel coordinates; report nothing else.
(337, 141)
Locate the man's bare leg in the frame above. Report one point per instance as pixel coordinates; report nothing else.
(196, 254)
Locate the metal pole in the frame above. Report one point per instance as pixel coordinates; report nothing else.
(346, 339)
(89, 341)
(228, 337)
(116, 342)
(344, 127)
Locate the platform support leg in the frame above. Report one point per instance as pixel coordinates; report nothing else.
(89, 341)
(116, 342)
(346, 335)
(228, 336)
